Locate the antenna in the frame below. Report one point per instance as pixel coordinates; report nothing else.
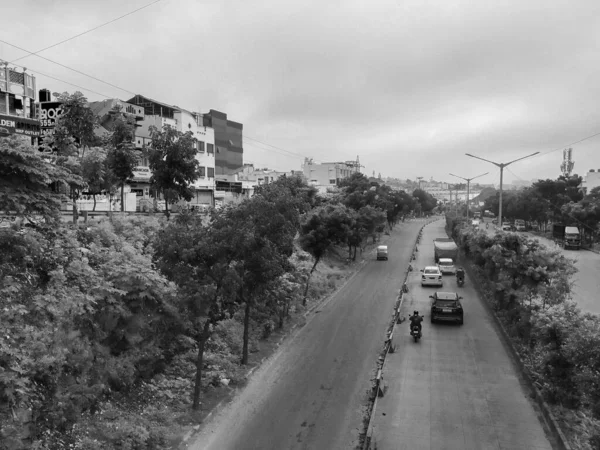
(567, 165)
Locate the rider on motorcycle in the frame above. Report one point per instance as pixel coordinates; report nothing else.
(415, 321)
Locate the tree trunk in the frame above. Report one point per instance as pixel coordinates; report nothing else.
(246, 332)
(167, 208)
(308, 280)
(75, 210)
(94, 197)
(122, 197)
(204, 335)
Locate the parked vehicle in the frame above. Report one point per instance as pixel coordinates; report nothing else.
(431, 276)
(475, 223)
(446, 306)
(506, 226)
(569, 237)
(382, 252)
(460, 276)
(446, 266)
(444, 248)
(477, 215)
(520, 225)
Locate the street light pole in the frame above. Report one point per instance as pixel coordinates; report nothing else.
(468, 180)
(502, 166)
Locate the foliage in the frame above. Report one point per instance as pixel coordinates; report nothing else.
(26, 180)
(93, 171)
(77, 121)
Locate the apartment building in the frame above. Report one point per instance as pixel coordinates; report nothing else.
(327, 175)
(229, 157)
(18, 114)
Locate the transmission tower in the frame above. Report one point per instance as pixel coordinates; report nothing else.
(567, 165)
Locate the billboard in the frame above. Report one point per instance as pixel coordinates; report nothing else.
(18, 125)
(49, 112)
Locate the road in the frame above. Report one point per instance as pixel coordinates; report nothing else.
(457, 388)
(586, 280)
(311, 394)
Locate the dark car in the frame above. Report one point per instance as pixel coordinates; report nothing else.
(446, 306)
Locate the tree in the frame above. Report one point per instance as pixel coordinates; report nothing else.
(77, 120)
(122, 157)
(173, 163)
(93, 171)
(26, 180)
(426, 200)
(321, 229)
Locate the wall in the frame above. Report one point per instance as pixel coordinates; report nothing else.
(591, 180)
(229, 156)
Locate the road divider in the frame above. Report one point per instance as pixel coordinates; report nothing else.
(379, 387)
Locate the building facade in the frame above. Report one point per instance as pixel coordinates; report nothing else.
(327, 175)
(18, 114)
(229, 156)
(260, 176)
(591, 180)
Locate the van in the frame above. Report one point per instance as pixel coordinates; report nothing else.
(382, 252)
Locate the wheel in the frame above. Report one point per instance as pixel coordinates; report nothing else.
(432, 319)
(415, 338)
(462, 321)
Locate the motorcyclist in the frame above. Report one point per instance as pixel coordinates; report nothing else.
(415, 321)
(460, 274)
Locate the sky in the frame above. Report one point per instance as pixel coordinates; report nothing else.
(409, 87)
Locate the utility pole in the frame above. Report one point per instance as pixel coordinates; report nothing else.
(468, 180)
(502, 166)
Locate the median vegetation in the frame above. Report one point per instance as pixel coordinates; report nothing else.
(121, 333)
(528, 286)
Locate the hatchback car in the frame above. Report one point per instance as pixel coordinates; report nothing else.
(446, 306)
(446, 266)
(431, 276)
(507, 227)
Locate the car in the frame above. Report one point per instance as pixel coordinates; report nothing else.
(447, 307)
(446, 266)
(382, 252)
(495, 221)
(431, 276)
(507, 227)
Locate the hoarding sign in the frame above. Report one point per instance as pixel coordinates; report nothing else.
(49, 112)
(18, 125)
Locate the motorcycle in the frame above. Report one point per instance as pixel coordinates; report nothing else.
(415, 333)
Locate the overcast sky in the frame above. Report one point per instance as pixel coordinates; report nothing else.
(409, 86)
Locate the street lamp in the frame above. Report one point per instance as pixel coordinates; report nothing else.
(502, 166)
(468, 180)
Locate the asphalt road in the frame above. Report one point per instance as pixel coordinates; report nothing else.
(311, 394)
(457, 388)
(586, 280)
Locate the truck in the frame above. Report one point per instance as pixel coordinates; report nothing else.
(444, 248)
(569, 237)
(477, 215)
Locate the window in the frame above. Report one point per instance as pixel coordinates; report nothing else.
(201, 146)
(211, 172)
(202, 171)
(331, 181)
(210, 149)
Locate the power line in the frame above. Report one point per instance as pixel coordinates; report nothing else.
(70, 68)
(568, 145)
(86, 32)
(278, 148)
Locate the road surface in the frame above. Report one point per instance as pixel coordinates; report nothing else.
(586, 280)
(311, 394)
(457, 388)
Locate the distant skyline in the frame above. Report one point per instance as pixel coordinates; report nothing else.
(410, 87)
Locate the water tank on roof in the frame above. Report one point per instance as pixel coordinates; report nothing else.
(45, 95)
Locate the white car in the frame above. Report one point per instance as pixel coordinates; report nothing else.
(446, 266)
(431, 276)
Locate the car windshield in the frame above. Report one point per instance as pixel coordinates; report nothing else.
(445, 303)
(431, 271)
(445, 263)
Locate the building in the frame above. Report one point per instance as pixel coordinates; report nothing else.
(591, 180)
(18, 114)
(328, 174)
(257, 176)
(159, 114)
(229, 158)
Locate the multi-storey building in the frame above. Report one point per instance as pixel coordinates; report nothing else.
(229, 157)
(257, 176)
(328, 174)
(17, 103)
(159, 114)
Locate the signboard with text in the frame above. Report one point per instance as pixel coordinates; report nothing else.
(18, 125)
(49, 112)
(141, 173)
